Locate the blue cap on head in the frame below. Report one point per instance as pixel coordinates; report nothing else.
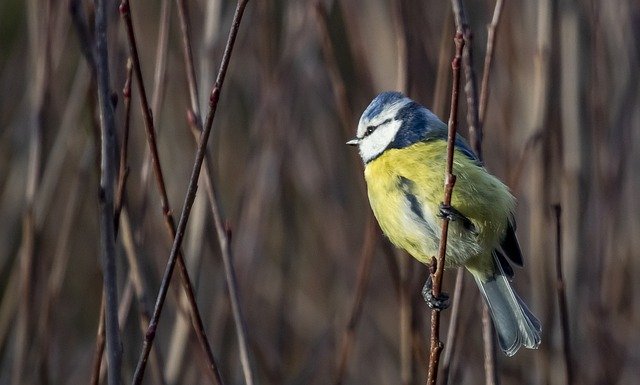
(382, 100)
(400, 122)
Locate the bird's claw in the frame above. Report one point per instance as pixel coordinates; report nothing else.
(449, 212)
(439, 302)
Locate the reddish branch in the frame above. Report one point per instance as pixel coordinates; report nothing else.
(450, 180)
(175, 255)
(196, 319)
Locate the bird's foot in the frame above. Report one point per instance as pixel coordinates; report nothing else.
(439, 302)
(449, 212)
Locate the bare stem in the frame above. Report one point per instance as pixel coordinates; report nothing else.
(123, 170)
(488, 60)
(450, 180)
(337, 82)
(190, 196)
(227, 260)
(470, 88)
(185, 28)
(364, 270)
(196, 319)
(195, 120)
(475, 120)
(562, 298)
(453, 332)
(488, 336)
(488, 332)
(97, 355)
(106, 196)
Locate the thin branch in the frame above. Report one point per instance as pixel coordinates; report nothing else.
(489, 337)
(100, 341)
(488, 332)
(453, 331)
(402, 50)
(141, 290)
(470, 88)
(562, 298)
(185, 28)
(488, 59)
(337, 82)
(195, 120)
(372, 234)
(159, 85)
(475, 120)
(79, 20)
(364, 270)
(123, 170)
(196, 319)
(61, 256)
(108, 150)
(439, 105)
(161, 57)
(227, 259)
(190, 196)
(450, 180)
(40, 53)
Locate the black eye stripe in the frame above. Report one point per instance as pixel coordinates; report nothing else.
(370, 129)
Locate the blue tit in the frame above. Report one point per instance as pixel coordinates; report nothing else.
(403, 146)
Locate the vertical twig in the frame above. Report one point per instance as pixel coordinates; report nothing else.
(157, 97)
(96, 363)
(41, 57)
(453, 332)
(60, 259)
(227, 259)
(404, 320)
(141, 290)
(562, 298)
(337, 82)
(488, 60)
(364, 270)
(123, 170)
(190, 196)
(439, 105)
(488, 337)
(402, 49)
(475, 121)
(185, 28)
(470, 88)
(450, 180)
(107, 175)
(161, 56)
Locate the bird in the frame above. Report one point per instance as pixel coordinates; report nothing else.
(403, 146)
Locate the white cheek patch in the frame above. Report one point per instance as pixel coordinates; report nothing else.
(373, 145)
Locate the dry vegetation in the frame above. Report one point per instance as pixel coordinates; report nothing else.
(322, 296)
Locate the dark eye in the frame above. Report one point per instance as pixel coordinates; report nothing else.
(369, 130)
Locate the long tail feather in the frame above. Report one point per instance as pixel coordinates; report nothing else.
(515, 325)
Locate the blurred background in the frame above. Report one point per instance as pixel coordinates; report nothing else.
(325, 299)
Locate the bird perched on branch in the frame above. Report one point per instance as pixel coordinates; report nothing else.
(403, 146)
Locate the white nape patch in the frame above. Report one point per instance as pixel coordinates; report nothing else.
(387, 127)
(373, 145)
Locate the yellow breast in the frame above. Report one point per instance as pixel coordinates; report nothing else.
(406, 186)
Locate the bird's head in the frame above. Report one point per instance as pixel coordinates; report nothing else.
(392, 120)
